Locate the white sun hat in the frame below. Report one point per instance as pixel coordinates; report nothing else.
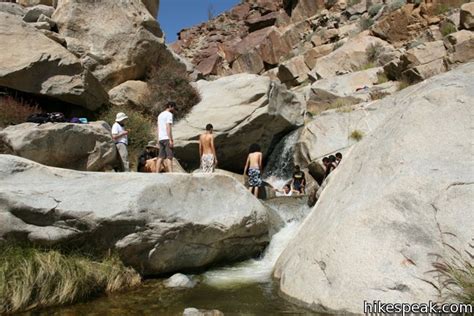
(120, 117)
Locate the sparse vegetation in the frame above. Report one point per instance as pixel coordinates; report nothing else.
(15, 111)
(396, 5)
(366, 66)
(455, 276)
(374, 51)
(365, 23)
(374, 9)
(168, 80)
(353, 2)
(381, 77)
(377, 95)
(356, 135)
(403, 84)
(31, 277)
(447, 28)
(336, 104)
(337, 45)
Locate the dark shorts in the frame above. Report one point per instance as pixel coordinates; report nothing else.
(165, 149)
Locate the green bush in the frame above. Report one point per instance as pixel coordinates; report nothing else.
(374, 9)
(353, 2)
(32, 277)
(15, 111)
(374, 51)
(396, 5)
(168, 81)
(365, 23)
(447, 28)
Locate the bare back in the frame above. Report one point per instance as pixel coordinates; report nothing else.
(206, 142)
(255, 160)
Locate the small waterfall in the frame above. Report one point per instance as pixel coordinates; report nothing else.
(279, 168)
(253, 270)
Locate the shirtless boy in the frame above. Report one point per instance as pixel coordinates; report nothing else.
(207, 151)
(254, 165)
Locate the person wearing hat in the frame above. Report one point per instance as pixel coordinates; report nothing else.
(120, 137)
(147, 160)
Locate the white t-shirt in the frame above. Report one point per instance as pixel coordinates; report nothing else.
(117, 129)
(164, 118)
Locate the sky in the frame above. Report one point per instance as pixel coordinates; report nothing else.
(175, 15)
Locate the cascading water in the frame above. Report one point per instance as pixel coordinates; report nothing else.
(279, 168)
(254, 270)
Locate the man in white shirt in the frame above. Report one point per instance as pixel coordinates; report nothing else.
(165, 137)
(120, 137)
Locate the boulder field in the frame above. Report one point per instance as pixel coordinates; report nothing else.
(397, 198)
(157, 223)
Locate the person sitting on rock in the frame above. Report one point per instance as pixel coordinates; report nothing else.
(328, 167)
(207, 151)
(150, 152)
(254, 167)
(120, 137)
(298, 182)
(286, 191)
(338, 158)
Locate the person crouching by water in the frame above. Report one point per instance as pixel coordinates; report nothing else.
(147, 160)
(298, 182)
(286, 191)
(207, 150)
(120, 137)
(253, 166)
(165, 137)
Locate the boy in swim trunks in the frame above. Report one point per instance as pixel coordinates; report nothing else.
(207, 151)
(254, 167)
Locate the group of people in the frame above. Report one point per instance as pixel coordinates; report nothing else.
(158, 157)
(330, 163)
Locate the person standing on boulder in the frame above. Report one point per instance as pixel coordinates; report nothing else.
(120, 137)
(254, 165)
(298, 182)
(165, 137)
(207, 150)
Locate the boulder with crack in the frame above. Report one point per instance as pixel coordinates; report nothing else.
(243, 109)
(392, 204)
(66, 145)
(157, 223)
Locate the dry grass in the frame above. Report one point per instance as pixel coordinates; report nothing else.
(447, 28)
(374, 51)
(455, 276)
(356, 135)
(336, 104)
(403, 84)
(382, 77)
(15, 111)
(32, 278)
(168, 81)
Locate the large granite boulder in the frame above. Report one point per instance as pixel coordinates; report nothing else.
(132, 93)
(460, 46)
(243, 109)
(393, 203)
(158, 223)
(467, 16)
(352, 56)
(33, 63)
(117, 40)
(66, 145)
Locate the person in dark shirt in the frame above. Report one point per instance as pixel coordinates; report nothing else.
(150, 152)
(298, 182)
(338, 158)
(328, 163)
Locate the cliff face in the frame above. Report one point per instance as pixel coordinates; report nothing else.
(257, 36)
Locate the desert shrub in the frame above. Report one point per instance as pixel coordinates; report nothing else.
(365, 23)
(337, 45)
(403, 84)
(32, 277)
(351, 3)
(168, 81)
(395, 5)
(356, 135)
(377, 95)
(374, 9)
(368, 65)
(15, 111)
(455, 275)
(381, 77)
(140, 126)
(374, 51)
(447, 28)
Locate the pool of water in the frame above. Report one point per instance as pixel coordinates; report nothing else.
(152, 298)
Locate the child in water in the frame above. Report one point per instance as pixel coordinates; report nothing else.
(254, 165)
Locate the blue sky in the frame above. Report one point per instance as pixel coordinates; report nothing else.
(174, 15)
